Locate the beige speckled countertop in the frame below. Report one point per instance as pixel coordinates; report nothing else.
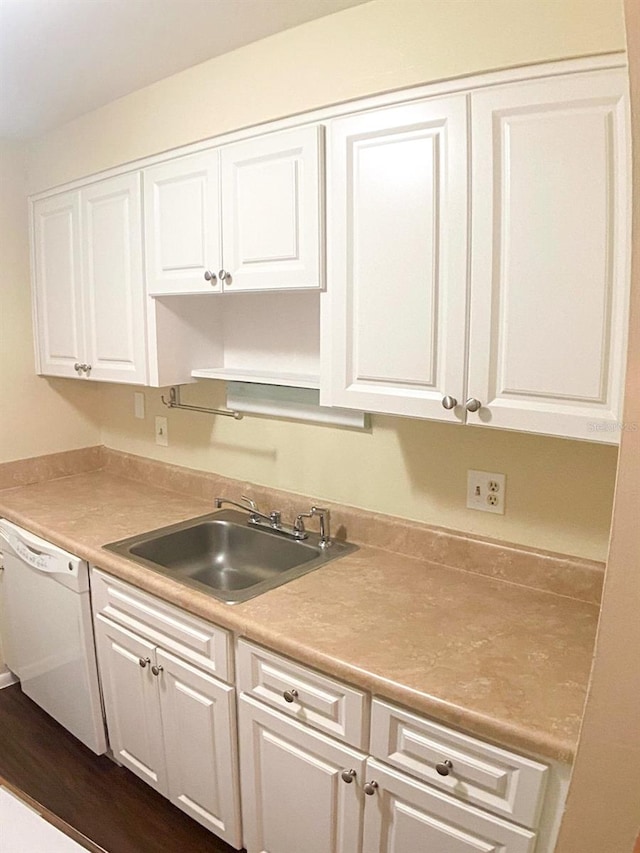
(502, 661)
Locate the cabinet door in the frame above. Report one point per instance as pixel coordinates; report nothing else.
(113, 280)
(131, 701)
(550, 273)
(293, 795)
(272, 206)
(198, 719)
(394, 329)
(58, 284)
(182, 225)
(404, 815)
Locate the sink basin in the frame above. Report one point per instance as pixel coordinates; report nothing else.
(223, 555)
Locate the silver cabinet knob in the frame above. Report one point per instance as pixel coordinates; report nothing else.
(156, 670)
(449, 402)
(472, 405)
(144, 661)
(86, 368)
(290, 695)
(348, 776)
(225, 276)
(210, 276)
(444, 767)
(77, 367)
(370, 788)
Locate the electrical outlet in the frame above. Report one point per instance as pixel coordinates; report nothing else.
(486, 492)
(162, 432)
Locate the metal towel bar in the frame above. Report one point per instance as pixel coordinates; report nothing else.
(174, 403)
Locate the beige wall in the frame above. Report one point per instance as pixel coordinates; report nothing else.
(559, 492)
(375, 47)
(36, 415)
(603, 808)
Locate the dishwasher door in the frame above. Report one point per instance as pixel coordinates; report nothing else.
(47, 632)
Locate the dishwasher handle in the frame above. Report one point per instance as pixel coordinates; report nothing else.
(30, 550)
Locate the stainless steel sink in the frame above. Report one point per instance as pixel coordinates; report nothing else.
(222, 555)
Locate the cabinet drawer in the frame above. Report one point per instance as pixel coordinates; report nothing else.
(316, 700)
(484, 775)
(189, 637)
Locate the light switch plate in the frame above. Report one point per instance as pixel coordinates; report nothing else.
(486, 492)
(138, 404)
(162, 432)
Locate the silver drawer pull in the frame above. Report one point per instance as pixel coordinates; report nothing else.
(348, 776)
(444, 767)
(370, 788)
(290, 696)
(156, 670)
(144, 661)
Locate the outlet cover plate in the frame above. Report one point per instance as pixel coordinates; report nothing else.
(486, 492)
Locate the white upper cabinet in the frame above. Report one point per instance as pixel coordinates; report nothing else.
(550, 274)
(115, 342)
(542, 336)
(477, 257)
(88, 282)
(394, 324)
(248, 216)
(57, 277)
(182, 225)
(272, 211)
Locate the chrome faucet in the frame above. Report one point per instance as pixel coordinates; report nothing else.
(255, 516)
(272, 521)
(325, 524)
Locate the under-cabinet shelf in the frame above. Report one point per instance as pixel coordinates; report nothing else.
(231, 374)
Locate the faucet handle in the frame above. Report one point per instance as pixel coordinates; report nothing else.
(253, 506)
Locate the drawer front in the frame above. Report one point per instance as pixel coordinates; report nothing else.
(315, 699)
(481, 774)
(179, 632)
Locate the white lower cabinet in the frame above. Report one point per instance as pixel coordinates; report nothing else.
(404, 815)
(303, 789)
(321, 767)
(131, 700)
(198, 721)
(294, 791)
(173, 725)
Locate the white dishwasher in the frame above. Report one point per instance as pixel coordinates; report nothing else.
(47, 632)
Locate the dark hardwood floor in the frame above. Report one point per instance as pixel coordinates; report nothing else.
(105, 803)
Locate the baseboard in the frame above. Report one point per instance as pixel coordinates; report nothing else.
(7, 678)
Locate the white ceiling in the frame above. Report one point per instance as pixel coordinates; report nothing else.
(62, 58)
